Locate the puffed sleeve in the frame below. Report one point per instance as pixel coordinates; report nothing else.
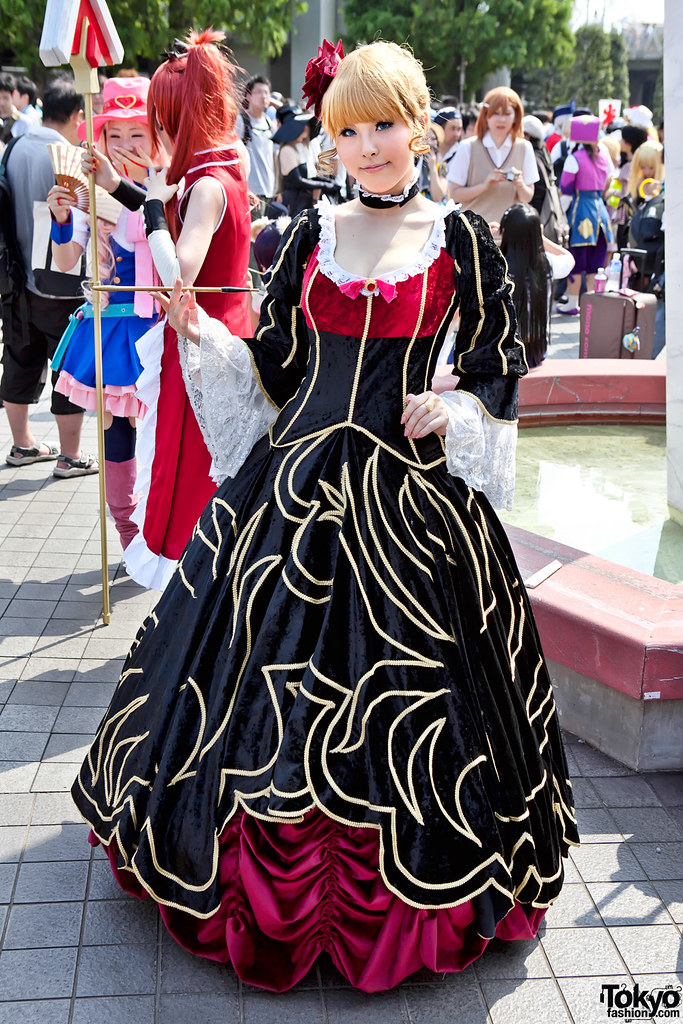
(237, 386)
(280, 349)
(489, 359)
(569, 173)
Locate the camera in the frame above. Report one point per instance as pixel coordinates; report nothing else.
(510, 175)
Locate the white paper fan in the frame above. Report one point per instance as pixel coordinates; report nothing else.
(66, 163)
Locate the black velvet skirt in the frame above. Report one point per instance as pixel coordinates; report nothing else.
(346, 639)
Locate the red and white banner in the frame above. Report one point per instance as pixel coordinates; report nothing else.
(62, 33)
(610, 110)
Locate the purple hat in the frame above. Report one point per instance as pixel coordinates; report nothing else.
(584, 128)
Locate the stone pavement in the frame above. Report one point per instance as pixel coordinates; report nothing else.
(564, 336)
(76, 950)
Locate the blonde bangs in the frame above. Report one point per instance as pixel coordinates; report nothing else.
(377, 82)
(356, 100)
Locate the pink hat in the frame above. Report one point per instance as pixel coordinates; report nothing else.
(125, 99)
(584, 128)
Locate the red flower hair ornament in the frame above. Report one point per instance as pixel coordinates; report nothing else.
(320, 71)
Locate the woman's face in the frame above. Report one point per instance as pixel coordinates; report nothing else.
(500, 121)
(648, 171)
(378, 154)
(131, 135)
(129, 147)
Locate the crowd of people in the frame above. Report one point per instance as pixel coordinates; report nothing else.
(336, 732)
(488, 157)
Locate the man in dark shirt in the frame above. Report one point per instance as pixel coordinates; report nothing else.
(34, 322)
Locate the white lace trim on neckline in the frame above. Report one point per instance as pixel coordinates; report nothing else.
(328, 243)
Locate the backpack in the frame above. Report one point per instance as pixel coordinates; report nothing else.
(558, 165)
(553, 217)
(49, 279)
(12, 274)
(646, 232)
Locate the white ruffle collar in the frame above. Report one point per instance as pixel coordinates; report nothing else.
(424, 259)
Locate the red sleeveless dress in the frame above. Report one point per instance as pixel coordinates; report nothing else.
(175, 482)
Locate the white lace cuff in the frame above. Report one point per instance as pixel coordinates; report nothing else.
(231, 410)
(480, 450)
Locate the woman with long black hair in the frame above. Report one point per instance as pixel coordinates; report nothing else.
(534, 261)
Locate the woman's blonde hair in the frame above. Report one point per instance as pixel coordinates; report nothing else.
(612, 146)
(649, 154)
(496, 100)
(379, 81)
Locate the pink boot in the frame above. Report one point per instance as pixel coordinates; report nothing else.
(119, 486)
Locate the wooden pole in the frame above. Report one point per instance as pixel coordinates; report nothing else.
(87, 83)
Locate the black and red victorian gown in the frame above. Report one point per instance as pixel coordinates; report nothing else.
(336, 731)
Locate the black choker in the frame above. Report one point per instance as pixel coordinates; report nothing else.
(379, 201)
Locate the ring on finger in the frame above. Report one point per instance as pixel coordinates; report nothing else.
(429, 405)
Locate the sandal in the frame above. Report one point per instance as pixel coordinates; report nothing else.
(26, 456)
(84, 466)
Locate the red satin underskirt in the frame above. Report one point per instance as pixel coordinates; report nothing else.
(293, 891)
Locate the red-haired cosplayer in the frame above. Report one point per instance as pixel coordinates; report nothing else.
(204, 236)
(336, 732)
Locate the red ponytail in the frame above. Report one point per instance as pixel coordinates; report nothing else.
(193, 97)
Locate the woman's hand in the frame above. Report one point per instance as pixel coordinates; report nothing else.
(518, 179)
(134, 163)
(60, 201)
(424, 414)
(106, 174)
(650, 187)
(157, 188)
(181, 310)
(494, 178)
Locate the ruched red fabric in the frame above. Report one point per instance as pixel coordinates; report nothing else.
(294, 891)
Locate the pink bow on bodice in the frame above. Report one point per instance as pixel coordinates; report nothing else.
(371, 286)
(144, 265)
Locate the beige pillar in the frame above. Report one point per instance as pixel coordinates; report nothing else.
(673, 141)
(320, 21)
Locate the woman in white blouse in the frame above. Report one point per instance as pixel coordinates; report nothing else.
(496, 166)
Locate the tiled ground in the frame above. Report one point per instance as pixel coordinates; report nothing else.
(74, 949)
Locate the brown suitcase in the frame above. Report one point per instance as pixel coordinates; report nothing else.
(607, 316)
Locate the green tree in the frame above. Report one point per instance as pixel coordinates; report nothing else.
(590, 78)
(658, 98)
(619, 58)
(147, 27)
(461, 41)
